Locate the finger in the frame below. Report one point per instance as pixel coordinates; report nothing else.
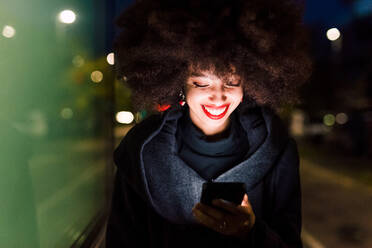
(246, 208)
(245, 205)
(249, 218)
(245, 201)
(228, 206)
(205, 219)
(212, 212)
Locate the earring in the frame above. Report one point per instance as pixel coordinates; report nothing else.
(182, 98)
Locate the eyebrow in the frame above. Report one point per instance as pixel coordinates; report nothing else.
(197, 74)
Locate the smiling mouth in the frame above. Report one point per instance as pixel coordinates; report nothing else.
(215, 113)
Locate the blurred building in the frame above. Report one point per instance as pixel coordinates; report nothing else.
(342, 78)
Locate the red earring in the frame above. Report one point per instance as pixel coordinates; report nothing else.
(162, 108)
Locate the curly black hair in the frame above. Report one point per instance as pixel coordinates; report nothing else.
(262, 41)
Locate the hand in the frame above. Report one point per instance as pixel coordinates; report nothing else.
(232, 220)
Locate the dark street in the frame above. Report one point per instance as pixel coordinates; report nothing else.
(336, 209)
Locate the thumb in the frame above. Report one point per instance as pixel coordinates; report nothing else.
(245, 201)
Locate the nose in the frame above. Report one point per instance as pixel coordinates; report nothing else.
(218, 95)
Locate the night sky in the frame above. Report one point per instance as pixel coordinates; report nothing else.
(327, 13)
(331, 13)
(335, 13)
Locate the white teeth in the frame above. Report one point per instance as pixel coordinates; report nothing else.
(215, 111)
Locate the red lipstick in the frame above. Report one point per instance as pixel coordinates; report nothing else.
(215, 117)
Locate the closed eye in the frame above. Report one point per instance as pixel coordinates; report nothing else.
(200, 85)
(233, 84)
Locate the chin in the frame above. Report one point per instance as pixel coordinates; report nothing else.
(216, 123)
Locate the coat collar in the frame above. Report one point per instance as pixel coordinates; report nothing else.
(169, 185)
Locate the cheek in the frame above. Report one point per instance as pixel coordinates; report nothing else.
(237, 95)
(241, 94)
(194, 97)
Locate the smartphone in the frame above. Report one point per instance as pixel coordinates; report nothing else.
(229, 191)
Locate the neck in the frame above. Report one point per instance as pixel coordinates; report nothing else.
(212, 131)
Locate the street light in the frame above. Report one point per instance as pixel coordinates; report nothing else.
(67, 16)
(96, 76)
(124, 117)
(110, 58)
(333, 34)
(78, 61)
(329, 120)
(341, 118)
(8, 31)
(67, 113)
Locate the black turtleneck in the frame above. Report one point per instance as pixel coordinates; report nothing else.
(209, 156)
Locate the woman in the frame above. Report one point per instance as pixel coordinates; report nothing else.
(229, 63)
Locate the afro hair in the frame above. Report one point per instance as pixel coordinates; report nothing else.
(263, 41)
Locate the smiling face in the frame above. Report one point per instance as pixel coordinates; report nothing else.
(211, 100)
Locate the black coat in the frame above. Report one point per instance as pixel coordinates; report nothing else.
(155, 190)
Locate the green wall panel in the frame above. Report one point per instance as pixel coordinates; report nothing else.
(53, 122)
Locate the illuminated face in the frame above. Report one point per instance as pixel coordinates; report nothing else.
(211, 100)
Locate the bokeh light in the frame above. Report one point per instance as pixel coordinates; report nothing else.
(67, 16)
(8, 31)
(124, 117)
(333, 34)
(341, 118)
(78, 61)
(96, 76)
(329, 120)
(110, 58)
(66, 113)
